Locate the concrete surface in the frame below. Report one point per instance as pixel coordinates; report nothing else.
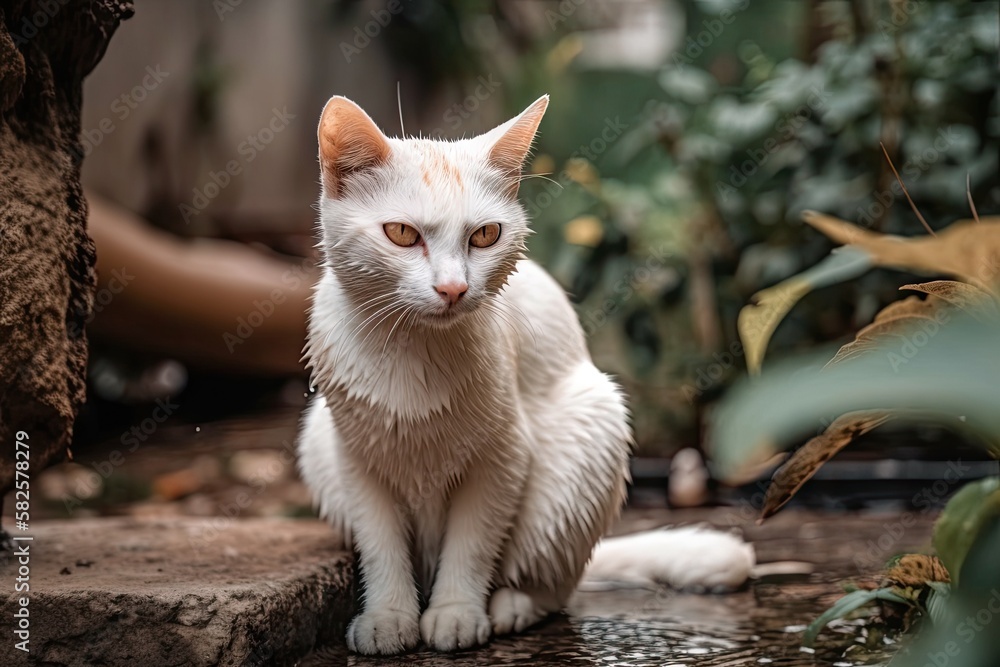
(179, 592)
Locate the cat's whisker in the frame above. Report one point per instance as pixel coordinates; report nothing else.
(384, 312)
(510, 323)
(544, 177)
(524, 319)
(380, 299)
(402, 323)
(414, 315)
(369, 302)
(518, 316)
(501, 316)
(399, 319)
(402, 313)
(388, 307)
(399, 101)
(487, 317)
(378, 324)
(328, 338)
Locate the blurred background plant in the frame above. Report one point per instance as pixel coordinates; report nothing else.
(697, 206)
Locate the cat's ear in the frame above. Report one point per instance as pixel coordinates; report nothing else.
(349, 141)
(512, 141)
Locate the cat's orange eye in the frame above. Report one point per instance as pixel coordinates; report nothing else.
(401, 234)
(485, 236)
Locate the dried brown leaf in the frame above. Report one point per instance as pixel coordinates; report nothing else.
(915, 570)
(177, 484)
(803, 464)
(975, 301)
(898, 318)
(902, 317)
(964, 250)
(910, 306)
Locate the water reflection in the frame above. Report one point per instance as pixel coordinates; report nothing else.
(641, 628)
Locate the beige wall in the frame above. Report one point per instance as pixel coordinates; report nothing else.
(282, 55)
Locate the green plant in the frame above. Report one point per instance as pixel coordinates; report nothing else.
(920, 360)
(707, 184)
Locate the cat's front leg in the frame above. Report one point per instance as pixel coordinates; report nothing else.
(481, 512)
(389, 622)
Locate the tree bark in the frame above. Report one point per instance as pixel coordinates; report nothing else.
(47, 277)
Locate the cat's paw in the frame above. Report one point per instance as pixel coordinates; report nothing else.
(383, 632)
(512, 610)
(450, 627)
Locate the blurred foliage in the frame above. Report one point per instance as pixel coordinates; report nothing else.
(927, 359)
(699, 198)
(427, 38)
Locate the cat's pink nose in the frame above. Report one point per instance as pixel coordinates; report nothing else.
(452, 292)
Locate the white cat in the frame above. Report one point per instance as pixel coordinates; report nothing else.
(461, 438)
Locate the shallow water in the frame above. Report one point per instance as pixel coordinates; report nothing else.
(760, 625)
(639, 628)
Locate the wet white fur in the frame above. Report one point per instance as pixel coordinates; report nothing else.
(474, 460)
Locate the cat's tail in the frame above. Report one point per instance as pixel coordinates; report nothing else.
(690, 558)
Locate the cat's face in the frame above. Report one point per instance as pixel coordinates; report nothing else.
(422, 231)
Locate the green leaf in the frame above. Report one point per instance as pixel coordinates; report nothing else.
(938, 607)
(949, 378)
(844, 606)
(962, 520)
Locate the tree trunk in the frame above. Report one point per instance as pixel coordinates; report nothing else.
(47, 275)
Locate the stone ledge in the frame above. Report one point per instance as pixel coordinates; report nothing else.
(215, 591)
